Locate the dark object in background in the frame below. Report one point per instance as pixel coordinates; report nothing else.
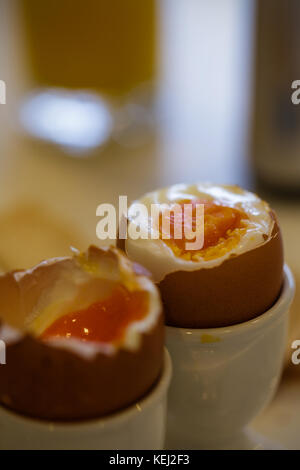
(276, 120)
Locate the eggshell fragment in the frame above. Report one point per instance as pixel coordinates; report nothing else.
(54, 381)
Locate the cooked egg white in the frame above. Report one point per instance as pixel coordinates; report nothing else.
(85, 281)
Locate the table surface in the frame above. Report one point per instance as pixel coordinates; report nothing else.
(48, 200)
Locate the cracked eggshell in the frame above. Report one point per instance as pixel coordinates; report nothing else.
(72, 380)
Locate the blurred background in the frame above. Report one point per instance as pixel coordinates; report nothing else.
(113, 97)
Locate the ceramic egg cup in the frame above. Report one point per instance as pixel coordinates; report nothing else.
(223, 377)
(141, 426)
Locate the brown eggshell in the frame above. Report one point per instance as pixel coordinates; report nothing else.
(48, 382)
(120, 243)
(237, 290)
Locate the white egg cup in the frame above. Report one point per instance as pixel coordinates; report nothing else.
(141, 426)
(223, 377)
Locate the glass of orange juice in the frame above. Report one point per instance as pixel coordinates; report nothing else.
(104, 46)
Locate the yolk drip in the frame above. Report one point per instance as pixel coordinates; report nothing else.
(220, 222)
(104, 321)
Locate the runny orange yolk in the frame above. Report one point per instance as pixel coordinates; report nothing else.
(104, 321)
(219, 223)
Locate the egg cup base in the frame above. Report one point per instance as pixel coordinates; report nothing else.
(140, 426)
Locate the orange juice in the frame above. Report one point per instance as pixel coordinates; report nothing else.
(105, 45)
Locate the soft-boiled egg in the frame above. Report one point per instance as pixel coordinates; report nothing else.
(236, 273)
(84, 336)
